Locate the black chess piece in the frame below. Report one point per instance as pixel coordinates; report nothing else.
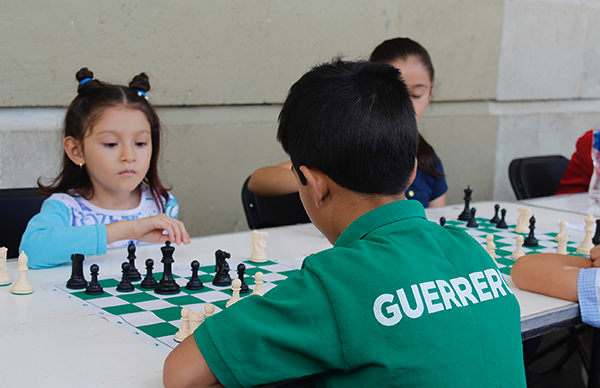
(195, 283)
(502, 223)
(531, 241)
(241, 269)
(466, 213)
(167, 284)
(125, 285)
(94, 288)
(222, 277)
(149, 281)
(442, 221)
(596, 238)
(134, 274)
(472, 222)
(77, 280)
(495, 219)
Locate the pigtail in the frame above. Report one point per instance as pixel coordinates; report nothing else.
(87, 82)
(140, 84)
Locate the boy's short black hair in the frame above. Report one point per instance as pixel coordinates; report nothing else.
(353, 121)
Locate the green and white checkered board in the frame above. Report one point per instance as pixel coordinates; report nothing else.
(506, 241)
(155, 318)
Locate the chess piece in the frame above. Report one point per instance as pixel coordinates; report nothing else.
(125, 285)
(490, 245)
(167, 284)
(472, 221)
(241, 268)
(595, 239)
(185, 325)
(523, 220)
(531, 241)
(134, 274)
(562, 225)
(22, 286)
(587, 244)
(502, 223)
(495, 219)
(196, 318)
(259, 247)
(442, 221)
(77, 281)
(209, 309)
(222, 277)
(258, 282)
(466, 213)
(236, 285)
(94, 288)
(149, 281)
(5, 279)
(195, 283)
(563, 239)
(519, 251)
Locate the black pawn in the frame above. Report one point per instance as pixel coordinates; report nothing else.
(531, 241)
(195, 283)
(495, 219)
(222, 277)
(442, 221)
(94, 288)
(149, 281)
(241, 268)
(167, 284)
(125, 285)
(134, 274)
(466, 213)
(596, 238)
(77, 281)
(472, 222)
(502, 223)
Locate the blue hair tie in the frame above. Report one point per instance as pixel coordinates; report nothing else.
(141, 93)
(85, 80)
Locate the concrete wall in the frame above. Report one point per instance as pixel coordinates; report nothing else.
(220, 70)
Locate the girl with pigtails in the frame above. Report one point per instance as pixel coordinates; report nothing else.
(108, 191)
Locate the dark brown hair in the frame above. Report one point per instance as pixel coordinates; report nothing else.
(93, 98)
(403, 48)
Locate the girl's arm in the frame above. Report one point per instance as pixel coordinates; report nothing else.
(149, 229)
(273, 181)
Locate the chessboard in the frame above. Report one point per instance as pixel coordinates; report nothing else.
(506, 241)
(155, 318)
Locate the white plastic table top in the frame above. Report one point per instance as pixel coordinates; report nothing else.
(573, 203)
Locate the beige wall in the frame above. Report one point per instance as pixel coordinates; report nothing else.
(220, 70)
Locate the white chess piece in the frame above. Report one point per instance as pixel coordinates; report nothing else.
(185, 325)
(22, 286)
(196, 318)
(258, 282)
(209, 309)
(562, 243)
(587, 244)
(5, 279)
(259, 247)
(236, 286)
(491, 246)
(519, 251)
(523, 220)
(561, 228)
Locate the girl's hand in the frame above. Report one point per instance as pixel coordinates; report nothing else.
(149, 229)
(595, 255)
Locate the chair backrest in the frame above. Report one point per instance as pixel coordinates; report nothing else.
(17, 206)
(536, 176)
(265, 212)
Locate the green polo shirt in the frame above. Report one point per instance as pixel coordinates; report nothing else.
(397, 302)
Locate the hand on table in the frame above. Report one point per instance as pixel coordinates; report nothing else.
(148, 229)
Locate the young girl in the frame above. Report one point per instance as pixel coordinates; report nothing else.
(429, 186)
(108, 191)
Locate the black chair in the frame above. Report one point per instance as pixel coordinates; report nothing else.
(266, 212)
(536, 176)
(17, 206)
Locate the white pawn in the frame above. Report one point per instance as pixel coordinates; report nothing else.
(562, 243)
(22, 286)
(196, 318)
(259, 247)
(491, 246)
(209, 309)
(236, 286)
(561, 225)
(519, 251)
(587, 244)
(5, 279)
(185, 325)
(258, 282)
(523, 220)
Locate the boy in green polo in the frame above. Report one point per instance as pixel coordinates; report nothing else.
(398, 301)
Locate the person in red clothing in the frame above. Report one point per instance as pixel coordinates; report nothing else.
(579, 171)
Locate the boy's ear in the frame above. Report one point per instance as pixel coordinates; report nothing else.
(316, 184)
(74, 151)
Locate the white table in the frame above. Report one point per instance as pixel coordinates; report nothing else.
(48, 341)
(572, 203)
